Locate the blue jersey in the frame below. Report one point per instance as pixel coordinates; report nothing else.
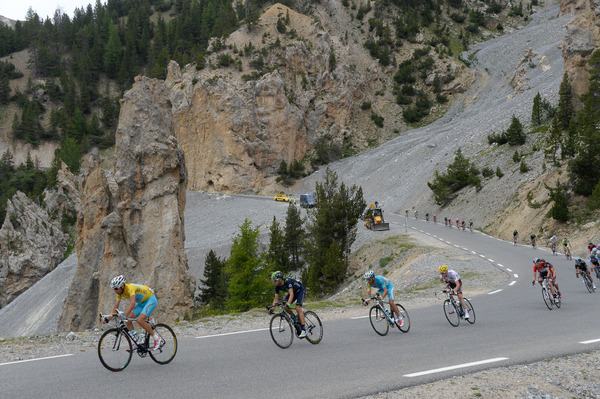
(381, 282)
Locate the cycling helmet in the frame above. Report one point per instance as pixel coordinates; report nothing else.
(536, 260)
(577, 260)
(443, 268)
(117, 282)
(276, 276)
(369, 275)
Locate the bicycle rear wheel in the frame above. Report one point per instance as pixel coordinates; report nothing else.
(281, 331)
(314, 328)
(451, 313)
(378, 320)
(548, 299)
(168, 350)
(471, 310)
(404, 314)
(114, 350)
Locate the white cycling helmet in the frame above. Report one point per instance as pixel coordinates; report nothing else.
(117, 282)
(369, 275)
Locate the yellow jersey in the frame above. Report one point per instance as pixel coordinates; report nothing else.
(141, 292)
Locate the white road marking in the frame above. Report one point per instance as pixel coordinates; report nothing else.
(591, 341)
(33, 360)
(495, 292)
(474, 252)
(508, 269)
(516, 275)
(501, 265)
(512, 283)
(483, 256)
(466, 249)
(458, 366)
(232, 333)
(491, 260)
(358, 317)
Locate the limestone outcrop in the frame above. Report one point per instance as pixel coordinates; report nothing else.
(138, 232)
(32, 241)
(582, 38)
(32, 244)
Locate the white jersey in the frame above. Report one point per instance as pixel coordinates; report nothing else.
(452, 277)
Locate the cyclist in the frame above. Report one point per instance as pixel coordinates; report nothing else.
(595, 261)
(546, 271)
(532, 238)
(515, 237)
(580, 268)
(566, 245)
(427, 217)
(591, 246)
(463, 225)
(457, 222)
(142, 303)
(553, 241)
(471, 225)
(416, 214)
(294, 292)
(453, 282)
(446, 222)
(384, 288)
(434, 218)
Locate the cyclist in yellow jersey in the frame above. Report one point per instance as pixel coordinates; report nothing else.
(142, 303)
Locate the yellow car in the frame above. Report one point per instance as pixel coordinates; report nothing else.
(282, 197)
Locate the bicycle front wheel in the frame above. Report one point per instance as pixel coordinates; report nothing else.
(281, 331)
(588, 284)
(548, 299)
(471, 318)
(378, 320)
(167, 351)
(314, 328)
(406, 320)
(114, 350)
(451, 313)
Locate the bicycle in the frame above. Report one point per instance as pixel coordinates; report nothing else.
(553, 248)
(533, 243)
(116, 347)
(453, 308)
(586, 281)
(381, 318)
(283, 325)
(549, 299)
(515, 238)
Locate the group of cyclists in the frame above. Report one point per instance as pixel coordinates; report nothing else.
(553, 243)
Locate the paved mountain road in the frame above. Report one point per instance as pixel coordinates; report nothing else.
(512, 326)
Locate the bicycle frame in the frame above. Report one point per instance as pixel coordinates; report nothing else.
(386, 312)
(120, 323)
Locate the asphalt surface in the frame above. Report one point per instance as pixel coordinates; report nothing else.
(512, 326)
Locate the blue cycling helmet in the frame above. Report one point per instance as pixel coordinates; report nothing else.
(578, 260)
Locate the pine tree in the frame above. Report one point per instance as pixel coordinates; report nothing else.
(214, 290)
(294, 236)
(278, 257)
(553, 140)
(560, 209)
(515, 133)
(536, 111)
(565, 103)
(248, 279)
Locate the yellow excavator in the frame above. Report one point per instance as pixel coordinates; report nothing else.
(375, 219)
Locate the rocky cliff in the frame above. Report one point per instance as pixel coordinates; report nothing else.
(583, 37)
(296, 90)
(32, 241)
(138, 230)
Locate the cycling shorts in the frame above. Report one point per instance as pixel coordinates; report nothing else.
(390, 289)
(453, 286)
(298, 297)
(146, 307)
(583, 268)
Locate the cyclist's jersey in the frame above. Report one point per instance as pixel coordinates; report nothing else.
(565, 242)
(381, 282)
(288, 283)
(451, 277)
(581, 266)
(590, 247)
(515, 233)
(594, 259)
(543, 268)
(532, 236)
(141, 292)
